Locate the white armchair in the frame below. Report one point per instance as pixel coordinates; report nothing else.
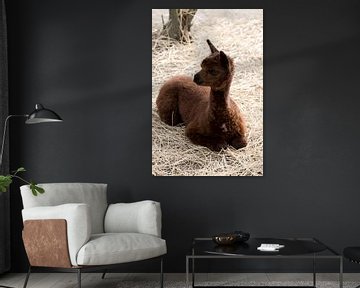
(72, 228)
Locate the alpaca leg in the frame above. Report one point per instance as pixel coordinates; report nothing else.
(238, 142)
(167, 105)
(214, 143)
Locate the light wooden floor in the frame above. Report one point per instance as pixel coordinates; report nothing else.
(68, 280)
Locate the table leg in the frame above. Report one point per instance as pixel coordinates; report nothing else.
(314, 271)
(193, 272)
(193, 267)
(187, 272)
(341, 273)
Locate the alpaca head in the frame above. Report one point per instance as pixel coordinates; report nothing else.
(216, 69)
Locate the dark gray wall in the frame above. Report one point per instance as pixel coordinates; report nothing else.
(91, 61)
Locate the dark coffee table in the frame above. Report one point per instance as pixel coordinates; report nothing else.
(294, 248)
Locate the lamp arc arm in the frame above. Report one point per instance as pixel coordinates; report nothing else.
(4, 133)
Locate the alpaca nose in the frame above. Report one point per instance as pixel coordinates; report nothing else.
(197, 78)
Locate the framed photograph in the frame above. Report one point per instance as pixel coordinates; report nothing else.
(207, 92)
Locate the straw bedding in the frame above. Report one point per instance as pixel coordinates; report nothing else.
(239, 33)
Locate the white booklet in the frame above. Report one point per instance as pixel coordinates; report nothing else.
(270, 247)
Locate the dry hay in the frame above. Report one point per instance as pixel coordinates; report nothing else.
(239, 33)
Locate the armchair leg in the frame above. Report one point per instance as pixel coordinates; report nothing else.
(103, 275)
(79, 277)
(161, 273)
(27, 277)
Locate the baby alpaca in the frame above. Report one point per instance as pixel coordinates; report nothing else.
(211, 117)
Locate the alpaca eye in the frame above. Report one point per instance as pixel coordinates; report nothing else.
(212, 72)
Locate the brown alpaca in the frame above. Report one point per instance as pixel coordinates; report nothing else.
(211, 117)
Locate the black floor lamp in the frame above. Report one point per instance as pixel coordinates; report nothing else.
(39, 115)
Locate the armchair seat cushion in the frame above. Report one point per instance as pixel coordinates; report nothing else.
(113, 248)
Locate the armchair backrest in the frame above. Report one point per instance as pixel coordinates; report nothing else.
(55, 194)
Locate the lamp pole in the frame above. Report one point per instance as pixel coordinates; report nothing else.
(2, 152)
(4, 134)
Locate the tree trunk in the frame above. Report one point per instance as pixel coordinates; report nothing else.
(179, 24)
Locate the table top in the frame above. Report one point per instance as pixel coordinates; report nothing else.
(292, 247)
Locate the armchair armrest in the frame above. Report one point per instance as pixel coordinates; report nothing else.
(78, 223)
(138, 217)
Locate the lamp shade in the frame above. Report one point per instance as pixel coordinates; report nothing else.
(42, 115)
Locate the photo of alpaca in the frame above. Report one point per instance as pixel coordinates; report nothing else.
(211, 117)
(209, 122)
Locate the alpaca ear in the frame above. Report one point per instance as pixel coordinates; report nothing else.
(212, 47)
(224, 60)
